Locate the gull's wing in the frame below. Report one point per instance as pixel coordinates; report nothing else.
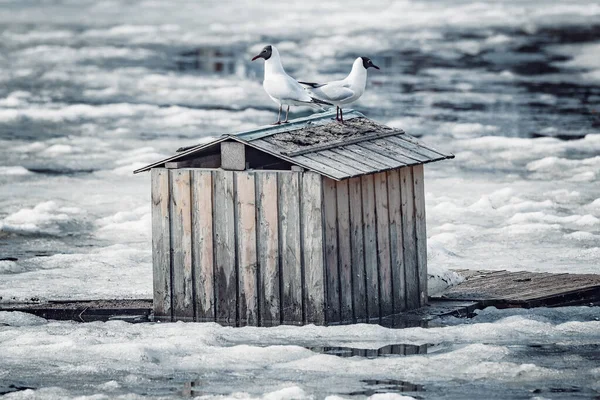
(333, 91)
(284, 87)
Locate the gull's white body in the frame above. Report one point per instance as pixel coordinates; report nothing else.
(345, 91)
(282, 88)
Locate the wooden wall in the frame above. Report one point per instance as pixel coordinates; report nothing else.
(287, 247)
(375, 245)
(238, 247)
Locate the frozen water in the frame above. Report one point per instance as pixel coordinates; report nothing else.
(101, 89)
(512, 352)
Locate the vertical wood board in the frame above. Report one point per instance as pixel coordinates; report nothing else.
(289, 248)
(383, 244)
(411, 272)
(246, 248)
(396, 242)
(370, 242)
(224, 247)
(202, 244)
(268, 248)
(357, 247)
(420, 231)
(312, 234)
(331, 252)
(181, 245)
(344, 251)
(161, 244)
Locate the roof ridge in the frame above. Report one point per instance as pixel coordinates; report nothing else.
(295, 124)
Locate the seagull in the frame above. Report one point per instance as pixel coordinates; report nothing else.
(346, 91)
(282, 88)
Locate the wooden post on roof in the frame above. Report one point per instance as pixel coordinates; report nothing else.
(233, 156)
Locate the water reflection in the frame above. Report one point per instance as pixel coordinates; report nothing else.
(385, 351)
(373, 386)
(215, 60)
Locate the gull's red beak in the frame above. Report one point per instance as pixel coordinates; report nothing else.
(255, 57)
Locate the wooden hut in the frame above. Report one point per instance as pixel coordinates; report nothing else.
(307, 222)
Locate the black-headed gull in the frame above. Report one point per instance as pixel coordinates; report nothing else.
(345, 91)
(282, 88)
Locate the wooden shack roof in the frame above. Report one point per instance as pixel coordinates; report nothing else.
(360, 146)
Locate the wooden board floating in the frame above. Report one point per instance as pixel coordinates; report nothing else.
(139, 310)
(479, 290)
(524, 289)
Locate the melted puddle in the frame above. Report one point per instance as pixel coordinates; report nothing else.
(373, 387)
(385, 351)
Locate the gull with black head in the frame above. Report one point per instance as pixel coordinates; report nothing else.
(282, 88)
(345, 91)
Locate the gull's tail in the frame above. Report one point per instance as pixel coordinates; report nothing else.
(313, 85)
(318, 101)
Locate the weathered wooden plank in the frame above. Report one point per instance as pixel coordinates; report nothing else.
(347, 170)
(202, 244)
(324, 169)
(268, 248)
(347, 158)
(370, 242)
(161, 244)
(332, 313)
(181, 246)
(408, 148)
(339, 143)
(420, 230)
(376, 160)
(344, 251)
(289, 247)
(382, 147)
(224, 247)
(411, 265)
(416, 141)
(396, 243)
(246, 248)
(312, 239)
(357, 245)
(383, 244)
(414, 145)
(327, 169)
